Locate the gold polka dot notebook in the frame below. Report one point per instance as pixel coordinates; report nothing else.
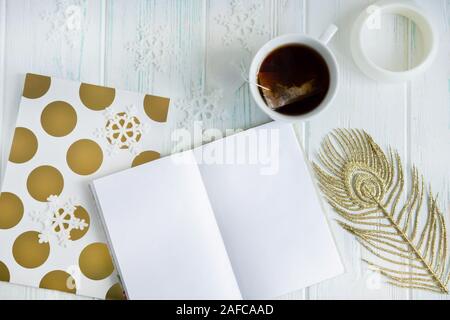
(67, 134)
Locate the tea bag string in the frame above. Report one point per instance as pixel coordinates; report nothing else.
(244, 75)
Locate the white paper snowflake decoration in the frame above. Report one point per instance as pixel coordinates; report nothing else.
(243, 23)
(58, 220)
(152, 48)
(123, 130)
(200, 106)
(67, 21)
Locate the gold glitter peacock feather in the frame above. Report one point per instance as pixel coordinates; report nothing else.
(366, 188)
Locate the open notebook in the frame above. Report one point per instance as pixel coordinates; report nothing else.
(236, 218)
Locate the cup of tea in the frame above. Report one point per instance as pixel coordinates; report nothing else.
(294, 77)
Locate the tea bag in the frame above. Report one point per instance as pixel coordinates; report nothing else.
(278, 95)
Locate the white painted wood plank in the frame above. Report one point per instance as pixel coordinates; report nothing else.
(430, 119)
(172, 60)
(361, 103)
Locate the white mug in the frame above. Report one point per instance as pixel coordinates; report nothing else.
(320, 45)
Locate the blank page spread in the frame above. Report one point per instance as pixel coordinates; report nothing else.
(238, 217)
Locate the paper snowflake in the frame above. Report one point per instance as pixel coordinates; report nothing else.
(58, 220)
(67, 21)
(242, 23)
(152, 49)
(200, 106)
(122, 130)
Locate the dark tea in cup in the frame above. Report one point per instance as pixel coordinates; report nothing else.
(293, 79)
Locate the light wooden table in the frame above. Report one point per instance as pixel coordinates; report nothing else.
(98, 41)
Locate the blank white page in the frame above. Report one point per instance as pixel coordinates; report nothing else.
(163, 233)
(271, 220)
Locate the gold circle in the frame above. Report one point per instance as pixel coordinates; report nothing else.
(58, 280)
(4, 273)
(36, 86)
(95, 261)
(96, 97)
(156, 108)
(24, 145)
(80, 213)
(11, 210)
(28, 252)
(45, 181)
(115, 293)
(84, 157)
(145, 157)
(58, 119)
